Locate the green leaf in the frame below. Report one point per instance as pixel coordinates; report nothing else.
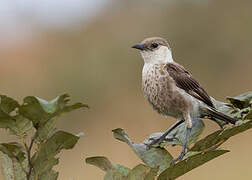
(19, 120)
(249, 115)
(177, 136)
(13, 161)
(122, 169)
(20, 126)
(39, 111)
(49, 107)
(32, 110)
(155, 157)
(141, 172)
(100, 162)
(8, 104)
(17, 124)
(50, 175)
(121, 135)
(44, 159)
(218, 137)
(42, 113)
(113, 175)
(152, 174)
(114, 171)
(43, 132)
(188, 164)
(241, 101)
(12, 169)
(13, 150)
(59, 105)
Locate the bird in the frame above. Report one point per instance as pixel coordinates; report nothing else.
(172, 90)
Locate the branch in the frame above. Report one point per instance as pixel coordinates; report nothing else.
(28, 151)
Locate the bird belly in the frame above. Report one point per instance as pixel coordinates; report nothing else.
(165, 97)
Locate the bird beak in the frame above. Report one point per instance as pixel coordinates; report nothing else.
(139, 46)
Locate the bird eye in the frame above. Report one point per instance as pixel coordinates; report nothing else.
(154, 45)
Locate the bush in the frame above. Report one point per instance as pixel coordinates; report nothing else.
(33, 156)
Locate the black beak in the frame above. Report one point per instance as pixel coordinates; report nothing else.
(139, 46)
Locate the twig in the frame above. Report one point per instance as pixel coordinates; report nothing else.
(28, 151)
(29, 159)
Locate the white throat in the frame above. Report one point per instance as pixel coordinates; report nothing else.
(159, 56)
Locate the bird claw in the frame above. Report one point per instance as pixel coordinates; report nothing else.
(155, 141)
(160, 140)
(171, 139)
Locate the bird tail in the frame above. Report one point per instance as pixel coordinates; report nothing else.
(214, 113)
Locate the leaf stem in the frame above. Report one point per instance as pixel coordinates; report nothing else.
(29, 159)
(28, 151)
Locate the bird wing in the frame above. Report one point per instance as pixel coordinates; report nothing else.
(185, 81)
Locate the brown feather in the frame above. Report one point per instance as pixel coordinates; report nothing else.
(185, 81)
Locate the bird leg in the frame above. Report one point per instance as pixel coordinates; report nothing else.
(182, 154)
(163, 137)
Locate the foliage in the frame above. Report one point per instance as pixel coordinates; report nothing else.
(34, 158)
(158, 160)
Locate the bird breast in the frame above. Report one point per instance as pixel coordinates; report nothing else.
(161, 91)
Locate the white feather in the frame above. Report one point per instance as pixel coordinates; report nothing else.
(159, 56)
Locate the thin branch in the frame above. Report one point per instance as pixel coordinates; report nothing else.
(29, 159)
(28, 151)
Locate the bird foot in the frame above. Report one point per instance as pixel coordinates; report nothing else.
(160, 140)
(155, 141)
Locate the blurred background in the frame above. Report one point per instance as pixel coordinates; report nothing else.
(82, 47)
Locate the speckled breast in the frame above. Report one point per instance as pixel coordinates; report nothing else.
(161, 92)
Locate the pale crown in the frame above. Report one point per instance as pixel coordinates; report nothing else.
(155, 50)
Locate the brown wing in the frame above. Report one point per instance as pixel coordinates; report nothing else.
(185, 81)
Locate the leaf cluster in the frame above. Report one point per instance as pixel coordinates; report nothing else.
(157, 160)
(32, 122)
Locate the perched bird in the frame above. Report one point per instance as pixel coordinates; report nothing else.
(172, 90)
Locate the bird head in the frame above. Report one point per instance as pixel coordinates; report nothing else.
(155, 50)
